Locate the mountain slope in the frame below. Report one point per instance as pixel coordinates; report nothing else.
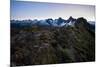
(49, 45)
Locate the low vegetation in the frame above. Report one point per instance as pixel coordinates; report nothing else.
(51, 45)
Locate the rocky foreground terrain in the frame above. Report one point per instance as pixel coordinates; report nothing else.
(52, 45)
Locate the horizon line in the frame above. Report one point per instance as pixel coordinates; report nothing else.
(50, 18)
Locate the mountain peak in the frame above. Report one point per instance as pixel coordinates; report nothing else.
(70, 17)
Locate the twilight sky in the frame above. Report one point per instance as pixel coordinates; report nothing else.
(21, 10)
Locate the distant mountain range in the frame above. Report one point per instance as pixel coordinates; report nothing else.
(60, 22)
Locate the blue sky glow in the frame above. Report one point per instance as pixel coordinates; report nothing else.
(39, 10)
